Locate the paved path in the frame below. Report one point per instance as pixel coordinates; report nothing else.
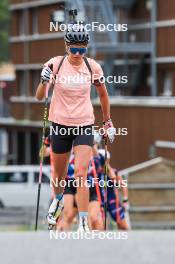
(141, 247)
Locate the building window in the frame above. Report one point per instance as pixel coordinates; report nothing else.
(21, 23)
(4, 146)
(168, 84)
(21, 147)
(11, 158)
(35, 79)
(33, 21)
(35, 145)
(22, 83)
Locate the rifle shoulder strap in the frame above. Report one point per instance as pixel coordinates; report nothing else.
(88, 66)
(61, 62)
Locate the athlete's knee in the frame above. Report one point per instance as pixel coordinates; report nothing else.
(80, 172)
(94, 217)
(68, 216)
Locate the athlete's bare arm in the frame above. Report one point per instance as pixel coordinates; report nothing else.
(95, 151)
(111, 172)
(112, 176)
(124, 190)
(40, 92)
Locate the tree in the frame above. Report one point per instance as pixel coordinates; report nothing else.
(4, 30)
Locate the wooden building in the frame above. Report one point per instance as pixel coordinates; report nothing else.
(146, 119)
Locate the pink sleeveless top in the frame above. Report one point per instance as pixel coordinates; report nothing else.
(70, 103)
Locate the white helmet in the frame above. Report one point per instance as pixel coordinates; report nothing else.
(102, 152)
(76, 34)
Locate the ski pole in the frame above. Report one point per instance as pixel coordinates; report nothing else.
(117, 206)
(105, 179)
(125, 198)
(42, 147)
(97, 187)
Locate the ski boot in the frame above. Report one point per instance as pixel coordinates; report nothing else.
(54, 213)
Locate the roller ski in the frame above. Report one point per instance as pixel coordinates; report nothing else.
(54, 213)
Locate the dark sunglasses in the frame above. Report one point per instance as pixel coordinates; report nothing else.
(81, 51)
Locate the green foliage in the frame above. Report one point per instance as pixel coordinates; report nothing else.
(4, 30)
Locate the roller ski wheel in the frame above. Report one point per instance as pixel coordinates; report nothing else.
(51, 227)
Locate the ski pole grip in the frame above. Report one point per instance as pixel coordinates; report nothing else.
(48, 85)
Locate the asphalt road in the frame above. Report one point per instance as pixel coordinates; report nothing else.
(141, 247)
